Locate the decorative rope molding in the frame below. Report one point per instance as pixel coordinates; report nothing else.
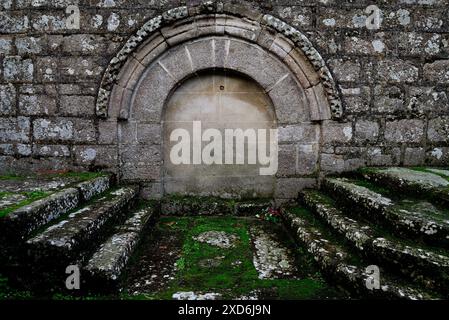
(300, 40)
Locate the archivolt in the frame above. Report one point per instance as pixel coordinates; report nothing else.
(183, 24)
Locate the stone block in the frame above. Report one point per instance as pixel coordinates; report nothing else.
(366, 131)
(15, 129)
(396, 71)
(438, 129)
(287, 160)
(84, 131)
(331, 163)
(83, 44)
(6, 45)
(149, 133)
(345, 70)
(290, 101)
(414, 156)
(427, 100)
(307, 163)
(53, 129)
(151, 94)
(18, 69)
(47, 69)
(77, 105)
(289, 188)
(7, 99)
(37, 105)
(30, 45)
(107, 132)
(259, 64)
(401, 131)
(336, 132)
(437, 72)
(388, 99)
(304, 133)
(56, 151)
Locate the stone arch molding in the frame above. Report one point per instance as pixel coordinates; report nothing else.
(183, 41)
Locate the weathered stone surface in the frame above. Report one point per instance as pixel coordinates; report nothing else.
(77, 105)
(288, 188)
(82, 228)
(190, 295)
(7, 99)
(404, 177)
(416, 262)
(271, 259)
(335, 132)
(388, 99)
(414, 156)
(332, 163)
(37, 105)
(427, 100)
(94, 187)
(334, 259)
(109, 261)
(437, 71)
(29, 45)
(47, 69)
(397, 71)
(366, 131)
(405, 218)
(17, 69)
(345, 70)
(404, 131)
(289, 101)
(14, 129)
(438, 129)
(219, 239)
(53, 129)
(23, 221)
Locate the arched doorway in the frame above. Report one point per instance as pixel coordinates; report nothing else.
(182, 44)
(221, 112)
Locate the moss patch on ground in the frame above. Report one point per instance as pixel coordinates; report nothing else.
(9, 293)
(79, 176)
(234, 275)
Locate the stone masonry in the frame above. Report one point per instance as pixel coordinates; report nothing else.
(392, 82)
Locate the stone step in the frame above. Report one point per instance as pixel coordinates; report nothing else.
(427, 183)
(107, 264)
(426, 265)
(19, 224)
(66, 241)
(344, 266)
(409, 218)
(208, 206)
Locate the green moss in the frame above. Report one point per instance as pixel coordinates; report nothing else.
(12, 177)
(82, 176)
(30, 197)
(427, 170)
(9, 293)
(79, 176)
(235, 274)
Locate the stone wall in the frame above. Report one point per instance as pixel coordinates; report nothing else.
(393, 81)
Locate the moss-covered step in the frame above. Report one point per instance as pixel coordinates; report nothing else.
(68, 240)
(425, 265)
(416, 219)
(341, 263)
(21, 222)
(106, 266)
(178, 205)
(429, 183)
